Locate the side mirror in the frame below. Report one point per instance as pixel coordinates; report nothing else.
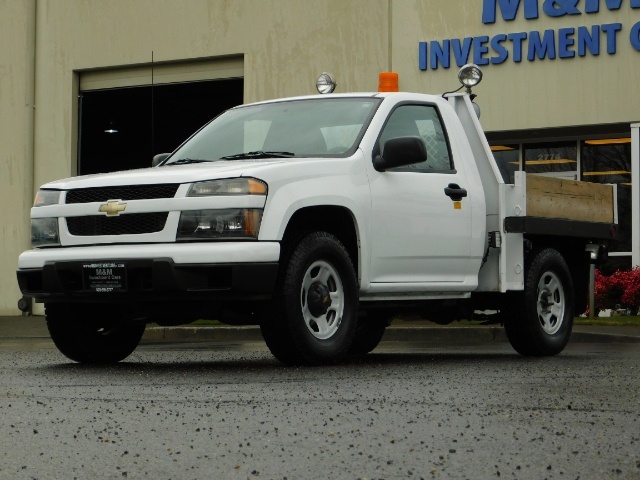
(399, 152)
(159, 158)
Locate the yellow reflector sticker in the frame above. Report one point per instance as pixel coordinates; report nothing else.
(457, 205)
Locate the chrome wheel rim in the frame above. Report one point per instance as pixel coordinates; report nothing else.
(551, 303)
(322, 299)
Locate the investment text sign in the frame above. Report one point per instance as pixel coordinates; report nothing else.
(535, 45)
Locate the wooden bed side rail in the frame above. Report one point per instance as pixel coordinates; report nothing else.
(549, 197)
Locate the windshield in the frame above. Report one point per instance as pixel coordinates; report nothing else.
(323, 127)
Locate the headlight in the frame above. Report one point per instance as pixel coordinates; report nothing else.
(44, 232)
(229, 186)
(233, 223)
(46, 197)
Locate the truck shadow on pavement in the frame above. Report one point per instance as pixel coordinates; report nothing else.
(257, 362)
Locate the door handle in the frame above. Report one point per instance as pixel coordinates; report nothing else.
(454, 191)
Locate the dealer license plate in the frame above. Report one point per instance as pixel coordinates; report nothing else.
(105, 277)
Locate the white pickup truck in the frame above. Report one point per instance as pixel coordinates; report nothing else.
(318, 218)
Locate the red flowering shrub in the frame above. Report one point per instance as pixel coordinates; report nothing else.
(620, 290)
(604, 295)
(631, 283)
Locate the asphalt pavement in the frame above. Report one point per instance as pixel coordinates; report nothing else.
(35, 327)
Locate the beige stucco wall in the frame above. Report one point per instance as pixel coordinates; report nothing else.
(16, 140)
(284, 44)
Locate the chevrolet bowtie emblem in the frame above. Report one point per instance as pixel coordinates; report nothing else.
(112, 207)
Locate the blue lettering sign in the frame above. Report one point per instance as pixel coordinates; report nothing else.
(634, 36)
(589, 41)
(501, 51)
(480, 49)
(461, 50)
(560, 8)
(542, 47)
(553, 8)
(509, 9)
(422, 55)
(517, 39)
(611, 29)
(593, 6)
(440, 54)
(565, 42)
(562, 42)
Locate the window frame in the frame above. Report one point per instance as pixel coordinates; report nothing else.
(376, 149)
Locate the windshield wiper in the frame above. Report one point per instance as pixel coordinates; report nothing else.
(259, 154)
(184, 161)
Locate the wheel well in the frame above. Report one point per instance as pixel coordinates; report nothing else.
(338, 221)
(573, 252)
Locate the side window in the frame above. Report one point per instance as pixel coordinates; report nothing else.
(421, 121)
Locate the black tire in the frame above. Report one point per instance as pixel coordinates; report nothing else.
(539, 321)
(369, 332)
(316, 303)
(102, 339)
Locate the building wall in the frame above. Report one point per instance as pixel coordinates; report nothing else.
(285, 45)
(17, 29)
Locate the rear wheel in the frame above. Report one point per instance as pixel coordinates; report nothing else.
(540, 319)
(316, 305)
(98, 338)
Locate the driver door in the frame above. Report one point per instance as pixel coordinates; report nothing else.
(420, 234)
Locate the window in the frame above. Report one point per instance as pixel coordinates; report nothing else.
(557, 159)
(322, 127)
(609, 161)
(508, 160)
(422, 121)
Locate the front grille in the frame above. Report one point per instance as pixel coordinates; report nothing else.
(131, 224)
(129, 192)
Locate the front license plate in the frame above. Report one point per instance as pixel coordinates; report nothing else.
(105, 277)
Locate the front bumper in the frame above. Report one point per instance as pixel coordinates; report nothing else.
(155, 273)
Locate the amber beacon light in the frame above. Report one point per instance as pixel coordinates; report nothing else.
(388, 82)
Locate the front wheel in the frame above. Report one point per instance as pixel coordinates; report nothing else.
(317, 302)
(97, 338)
(540, 319)
(369, 332)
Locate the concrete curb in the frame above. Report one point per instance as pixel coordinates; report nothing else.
(426, 334)
(589, 337)
(17, 327)
(188, 333)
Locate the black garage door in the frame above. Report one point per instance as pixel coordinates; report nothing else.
(123, 128)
